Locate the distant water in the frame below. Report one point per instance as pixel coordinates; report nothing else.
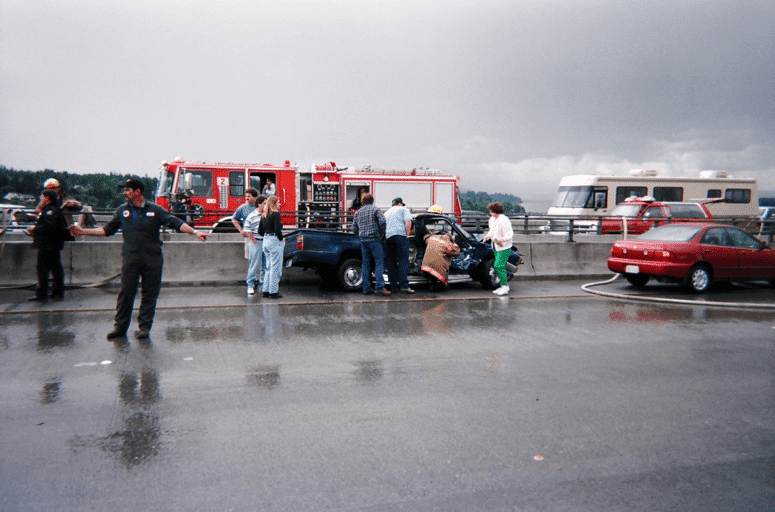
(539, 206)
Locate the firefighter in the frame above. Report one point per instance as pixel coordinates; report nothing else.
(67, 203)
(49, 235)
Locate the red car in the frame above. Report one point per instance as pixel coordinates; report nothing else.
(644, 213)
(694, 255)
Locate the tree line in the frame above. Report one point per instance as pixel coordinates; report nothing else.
(478, 201)
(100, 191)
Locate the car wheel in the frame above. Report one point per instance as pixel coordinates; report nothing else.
(637, 280)
(699, 279)
(348, 275)
(487, 275)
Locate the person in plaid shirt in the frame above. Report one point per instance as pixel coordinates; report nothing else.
(369, 225)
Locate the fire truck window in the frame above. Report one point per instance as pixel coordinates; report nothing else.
(236, 184)
(202, 182)
(255, 182)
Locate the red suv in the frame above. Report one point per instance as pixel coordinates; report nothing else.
(644, 213)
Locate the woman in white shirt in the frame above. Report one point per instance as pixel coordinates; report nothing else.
(501, 235)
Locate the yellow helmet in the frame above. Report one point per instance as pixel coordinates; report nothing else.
(436, 209)
(51, 183)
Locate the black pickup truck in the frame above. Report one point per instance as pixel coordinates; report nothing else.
(336, 256)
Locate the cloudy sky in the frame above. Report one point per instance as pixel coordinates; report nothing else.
(511, 95)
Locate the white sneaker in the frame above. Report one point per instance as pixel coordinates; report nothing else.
(498, 289)
(503, 290)
(251, 290)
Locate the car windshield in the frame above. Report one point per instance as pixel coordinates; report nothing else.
(671, 233)
(625, 210)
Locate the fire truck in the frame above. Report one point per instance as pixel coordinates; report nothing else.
(319, 196)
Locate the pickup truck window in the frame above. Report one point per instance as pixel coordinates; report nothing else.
(625, 210)
(654, 212)
(687, 211)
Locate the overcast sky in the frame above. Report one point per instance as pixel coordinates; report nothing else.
(510, 95)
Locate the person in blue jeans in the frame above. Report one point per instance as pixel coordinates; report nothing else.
(399, 224)
(256, 263)
(369, 225)
(271, 228)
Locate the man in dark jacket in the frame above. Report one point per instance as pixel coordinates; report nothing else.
(140, 222)
(49, 235)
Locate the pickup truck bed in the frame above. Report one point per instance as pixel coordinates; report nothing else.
(336, 256)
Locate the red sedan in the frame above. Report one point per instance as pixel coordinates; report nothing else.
(693, 254)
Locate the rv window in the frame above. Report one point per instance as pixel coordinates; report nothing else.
(669, 193)
(623, 193)
(236, 184)
(600, 198)
(572, 197)
(714, 193)
(738, 195)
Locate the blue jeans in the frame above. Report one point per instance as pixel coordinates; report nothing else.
(256, 265)
(273, 255)
(371, 250)
(397, 256)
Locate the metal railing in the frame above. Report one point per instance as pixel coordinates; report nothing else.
(20, 219)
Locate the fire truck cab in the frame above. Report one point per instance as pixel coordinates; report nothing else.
(321, 196)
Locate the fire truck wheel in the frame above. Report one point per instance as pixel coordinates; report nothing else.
(197, 212)
(348, 275)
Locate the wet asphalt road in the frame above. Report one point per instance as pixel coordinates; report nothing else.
(551, 399)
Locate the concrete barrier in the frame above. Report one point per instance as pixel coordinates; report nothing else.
(221, 259)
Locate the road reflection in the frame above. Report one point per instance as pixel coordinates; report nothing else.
(53, 332)
(264, 377)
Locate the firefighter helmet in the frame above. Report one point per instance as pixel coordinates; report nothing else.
(51, 183)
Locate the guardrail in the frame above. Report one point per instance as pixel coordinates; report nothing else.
(20, 219)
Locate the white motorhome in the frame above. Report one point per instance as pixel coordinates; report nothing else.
(595, 196)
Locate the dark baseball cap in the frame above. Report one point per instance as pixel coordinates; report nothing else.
(397, 200)
(134, 184)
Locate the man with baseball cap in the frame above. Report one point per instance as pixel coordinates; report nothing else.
(140, 222)
(398, 221)
(67, 203)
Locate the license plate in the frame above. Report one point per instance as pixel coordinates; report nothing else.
(632, 269)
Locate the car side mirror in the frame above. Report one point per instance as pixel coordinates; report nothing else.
(764, 245)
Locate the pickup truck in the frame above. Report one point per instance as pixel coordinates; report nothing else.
(645, 213)
(336, 256)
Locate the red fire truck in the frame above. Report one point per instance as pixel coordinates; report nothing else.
(320, 196)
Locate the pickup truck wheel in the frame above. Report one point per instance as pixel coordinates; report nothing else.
(348, 275)
(487, 275)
